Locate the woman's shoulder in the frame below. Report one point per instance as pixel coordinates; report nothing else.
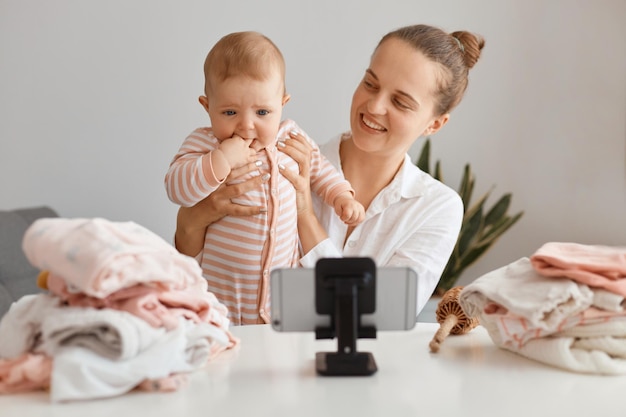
(332, 145)
(418, 183)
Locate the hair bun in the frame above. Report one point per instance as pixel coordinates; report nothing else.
(470, 44)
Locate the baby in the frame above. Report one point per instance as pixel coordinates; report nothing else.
(244, 97)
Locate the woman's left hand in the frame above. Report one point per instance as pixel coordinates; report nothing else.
(299, 149)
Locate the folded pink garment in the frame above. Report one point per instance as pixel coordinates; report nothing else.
(591, 342)
(99, 257)
(28, 372)
(31, 372)
(510, 330)
(159, 307)
(595, 265)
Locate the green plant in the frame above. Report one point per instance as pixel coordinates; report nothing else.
(481, 227)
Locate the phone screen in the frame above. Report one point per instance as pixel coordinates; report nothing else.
(293, 300)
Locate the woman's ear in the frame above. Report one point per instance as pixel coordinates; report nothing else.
(204, 101)
(436, 124)
(286, 98)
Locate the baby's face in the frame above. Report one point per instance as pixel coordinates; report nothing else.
(248, 108)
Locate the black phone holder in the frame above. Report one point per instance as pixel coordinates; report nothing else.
(345, 288)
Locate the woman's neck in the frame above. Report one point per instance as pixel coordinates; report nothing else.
(367, 173)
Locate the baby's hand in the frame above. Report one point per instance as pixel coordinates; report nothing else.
(350, 211)
(237, 151)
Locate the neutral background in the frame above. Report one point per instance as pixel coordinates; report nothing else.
(96, 97)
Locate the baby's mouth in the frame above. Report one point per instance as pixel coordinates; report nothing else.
(255, 144)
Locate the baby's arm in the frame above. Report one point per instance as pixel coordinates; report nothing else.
(202, 164)
(349, 210)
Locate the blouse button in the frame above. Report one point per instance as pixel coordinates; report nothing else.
(352, 243)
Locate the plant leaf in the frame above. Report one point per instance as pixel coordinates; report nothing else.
(473, 254)
(467, 185)
(469, 230)
(470, 212)
(498, 210)
(496, 230)
(423, 161)
(438, 175)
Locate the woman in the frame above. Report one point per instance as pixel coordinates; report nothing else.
(417, 75)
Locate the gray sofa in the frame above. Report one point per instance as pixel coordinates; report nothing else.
(17, 276)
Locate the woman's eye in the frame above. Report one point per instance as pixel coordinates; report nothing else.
(401, 104)
(229, 112)
(263, 112)
(368, 84)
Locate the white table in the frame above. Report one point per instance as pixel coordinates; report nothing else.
(273, 374)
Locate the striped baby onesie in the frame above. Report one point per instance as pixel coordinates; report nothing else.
(240, 252)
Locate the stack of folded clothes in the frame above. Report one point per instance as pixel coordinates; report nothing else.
(563, 306)
(124, 310)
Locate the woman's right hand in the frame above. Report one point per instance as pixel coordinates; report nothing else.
(191, 222)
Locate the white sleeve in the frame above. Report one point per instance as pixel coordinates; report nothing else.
(324, 249)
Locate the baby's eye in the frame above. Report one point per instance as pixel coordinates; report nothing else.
(229, 112)
(262, 112)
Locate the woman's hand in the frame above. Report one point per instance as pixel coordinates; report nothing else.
(191, 222)
(300, 150)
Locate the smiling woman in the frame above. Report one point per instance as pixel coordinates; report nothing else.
(416, 76)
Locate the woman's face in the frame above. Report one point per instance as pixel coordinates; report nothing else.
(394, 103)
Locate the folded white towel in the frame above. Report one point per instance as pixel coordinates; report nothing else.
(20, 327)
(81, 374)
(588, 356)
(113, 334)
(608, 300)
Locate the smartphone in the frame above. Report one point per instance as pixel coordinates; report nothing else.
(292, 292)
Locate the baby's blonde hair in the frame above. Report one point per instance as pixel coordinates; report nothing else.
(251, 54)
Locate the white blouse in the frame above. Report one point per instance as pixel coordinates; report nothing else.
(413, 222)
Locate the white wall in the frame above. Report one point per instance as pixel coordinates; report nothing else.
(96, 97)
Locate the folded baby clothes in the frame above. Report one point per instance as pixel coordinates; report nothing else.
(594, 265)
(551, 319)
(509, 330)
(112, 334)
(27, 372)
(543, 301)
(38, 323)
(124, 310)
(81, 374)
(20, 327)
(98, 256)
(158, 306)
(598, 348)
